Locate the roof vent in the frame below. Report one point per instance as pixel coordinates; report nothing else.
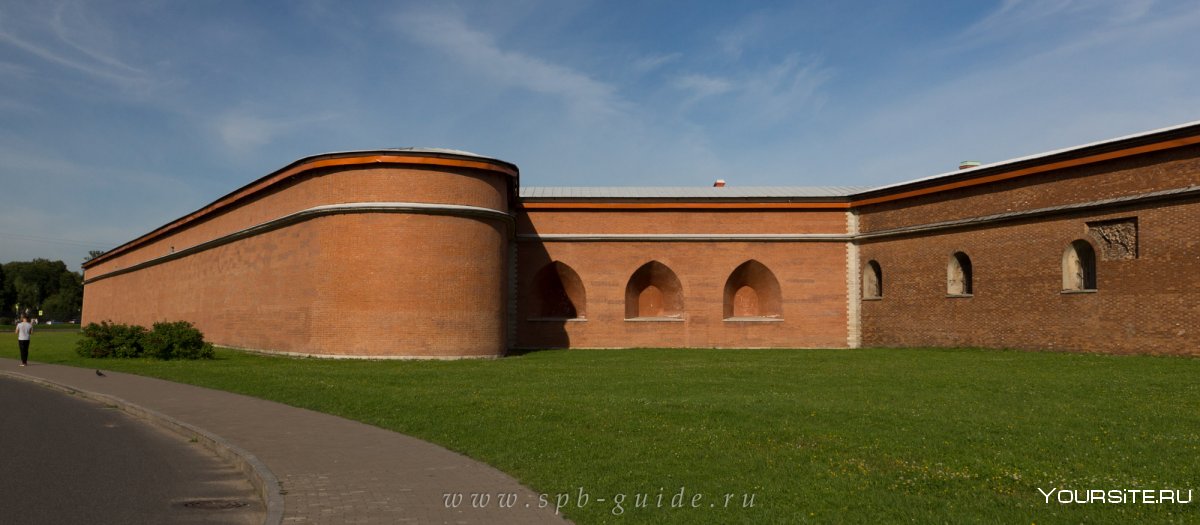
(720, 183)
(968, 164)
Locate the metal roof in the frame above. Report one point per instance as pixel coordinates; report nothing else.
(1000, 165)
(819, 192)
(687, 192)
(440, 150)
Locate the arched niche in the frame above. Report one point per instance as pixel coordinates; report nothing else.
(872, 280)
(959, 275)
(1079, 266)
(558, 293)
(752, 291)
(653, 291)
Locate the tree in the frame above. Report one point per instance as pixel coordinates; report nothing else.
(93, 254)
(41, 284)
(5, 300)
(68, 301)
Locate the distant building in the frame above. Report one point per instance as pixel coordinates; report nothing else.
(440, 253)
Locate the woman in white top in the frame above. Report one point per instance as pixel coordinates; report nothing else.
(23, 331)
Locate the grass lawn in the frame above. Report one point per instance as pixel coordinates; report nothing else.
(847, 436)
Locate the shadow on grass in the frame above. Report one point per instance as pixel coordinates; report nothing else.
(518, 352)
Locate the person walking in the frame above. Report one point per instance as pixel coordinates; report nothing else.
(23, 331)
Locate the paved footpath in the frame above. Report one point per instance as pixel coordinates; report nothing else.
(318, 468)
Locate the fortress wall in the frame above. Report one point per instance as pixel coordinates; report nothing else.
(811, 275)
(396, 267)
(674, 221)
(1133, 175)
(411, 285)
(419, 254)
(1147, 303)
(257, 293)
(318, 187)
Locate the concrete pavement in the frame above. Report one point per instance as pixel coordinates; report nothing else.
(313, 467)
(67, 459)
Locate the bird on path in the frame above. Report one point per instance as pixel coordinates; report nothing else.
(99, 373)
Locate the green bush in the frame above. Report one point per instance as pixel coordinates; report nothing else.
(177, 340)
(127, 340)
(110, 340)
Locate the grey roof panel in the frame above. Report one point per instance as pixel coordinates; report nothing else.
(687, 192)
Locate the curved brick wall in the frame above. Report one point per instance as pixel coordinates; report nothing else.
(402, 253)
(382, 255)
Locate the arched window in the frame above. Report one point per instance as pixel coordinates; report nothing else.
(959, 275)
(558, 293)
(1079, 266)
(752, 291)
(653, 291)
(872, 281)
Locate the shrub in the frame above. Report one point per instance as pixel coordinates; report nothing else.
(110, 340)
(127, 340)
(177, 340)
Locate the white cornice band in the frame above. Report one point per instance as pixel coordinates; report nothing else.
(684, 237)
(476, 212)
(457, 210)
(1115, 202)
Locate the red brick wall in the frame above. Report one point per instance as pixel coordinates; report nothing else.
(811, 276)
(364, 284)
(386, 183)
(780, 221)
(1144, 305)
(1104, 180)
(402, 284)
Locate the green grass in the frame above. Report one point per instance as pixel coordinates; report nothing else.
(849, 436)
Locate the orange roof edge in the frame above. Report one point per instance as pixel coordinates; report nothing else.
(305, 165)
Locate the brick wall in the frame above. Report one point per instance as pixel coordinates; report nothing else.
(363, 283)
(811, 276)
(667, 221)
(413, 284)
(386, 183)
(1142, 305)
(1133, 175)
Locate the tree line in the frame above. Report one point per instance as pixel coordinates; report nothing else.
(40, 285)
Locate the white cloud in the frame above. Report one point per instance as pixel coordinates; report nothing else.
(72, 32)
(1053, 18)
(702, 86)
(243, 133)
(791, 86)
(479, 51)
(1090, 83)
(779, 91)
(55, 39)
(650, 63)
(734, 40)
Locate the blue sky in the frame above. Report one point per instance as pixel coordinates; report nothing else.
(117, 117)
